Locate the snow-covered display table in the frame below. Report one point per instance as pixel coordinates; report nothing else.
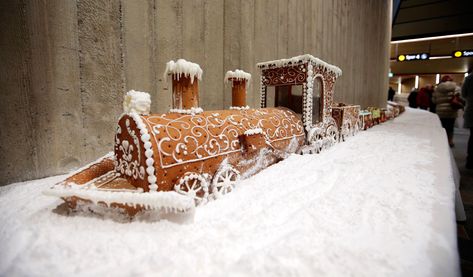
(379, 204)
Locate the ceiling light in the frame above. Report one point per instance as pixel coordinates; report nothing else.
(432, 38)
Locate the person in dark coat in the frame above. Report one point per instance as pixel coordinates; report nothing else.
(391, 93)
(430, 92)
(422, 99)
(467, 94)
(412, 98)
(443, 94)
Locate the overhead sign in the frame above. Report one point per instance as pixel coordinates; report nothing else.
(462, 53)
(413, 57)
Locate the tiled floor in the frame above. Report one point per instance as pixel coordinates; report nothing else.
(464, 229)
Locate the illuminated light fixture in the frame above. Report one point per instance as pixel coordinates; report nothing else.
(432, 38)
(462, 53)
(440, 57)
(417, 81)
(437, 78)
(466, 74)
(390, 74)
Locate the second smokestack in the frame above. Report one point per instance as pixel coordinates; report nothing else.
(240, 80)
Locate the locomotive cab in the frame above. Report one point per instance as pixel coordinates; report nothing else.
(305, 85)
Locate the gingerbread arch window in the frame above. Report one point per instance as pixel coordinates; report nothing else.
(317, 99)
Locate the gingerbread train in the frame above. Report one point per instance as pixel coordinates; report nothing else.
(188, 156)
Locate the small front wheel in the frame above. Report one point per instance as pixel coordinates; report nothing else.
(195, 186)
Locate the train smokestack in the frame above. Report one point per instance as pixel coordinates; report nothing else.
(240, 81)
(185, 84)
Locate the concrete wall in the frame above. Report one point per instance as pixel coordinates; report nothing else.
(65, 65)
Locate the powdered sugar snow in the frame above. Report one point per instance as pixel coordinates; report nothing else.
(378, 204)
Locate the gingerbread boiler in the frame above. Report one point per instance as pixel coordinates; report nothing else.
(176, 160)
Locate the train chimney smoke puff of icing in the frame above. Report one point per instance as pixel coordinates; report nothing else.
(137, 102)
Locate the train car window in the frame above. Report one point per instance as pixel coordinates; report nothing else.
(285, 96)
(317, 98)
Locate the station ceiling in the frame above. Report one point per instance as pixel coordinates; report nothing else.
(414, 19)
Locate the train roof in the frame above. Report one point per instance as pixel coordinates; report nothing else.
(302, 59)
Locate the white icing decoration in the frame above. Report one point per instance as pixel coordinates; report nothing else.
(262, 93)
(182, 66)
(224, 180)
(191, 111)
(239, 108)
(299, 60)
(169, 200)
(145, 138)
(254, 131)
(137, 102)
(308, 102)
(127, 165)
(238, 75)
(193, 183)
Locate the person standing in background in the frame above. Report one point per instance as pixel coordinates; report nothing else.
(442, 97)
(423, 100)
(430, 92)
(391, 93)
(412, 98)
(467, 94)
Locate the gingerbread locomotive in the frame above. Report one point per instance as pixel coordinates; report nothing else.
(188, 156)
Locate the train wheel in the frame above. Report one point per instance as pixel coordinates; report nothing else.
(224, 181)
(195, 186)
(332, 136)
(316, 141)
(357, 127)
(345, 131)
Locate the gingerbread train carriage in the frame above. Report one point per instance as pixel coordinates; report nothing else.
(188, 156)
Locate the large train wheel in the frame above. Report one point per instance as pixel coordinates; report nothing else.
(195, 186)
(224, 181)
